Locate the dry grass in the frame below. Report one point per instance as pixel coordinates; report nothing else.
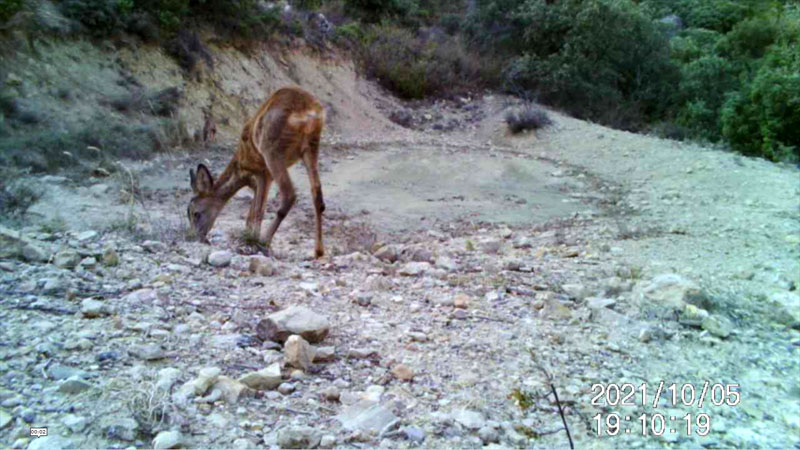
(151, 407)
(16, 195)
(528, 117)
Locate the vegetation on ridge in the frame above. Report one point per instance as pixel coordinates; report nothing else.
(720, 71)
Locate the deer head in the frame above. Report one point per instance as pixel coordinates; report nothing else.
(205, 206)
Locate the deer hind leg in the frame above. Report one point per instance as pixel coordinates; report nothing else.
(310, 160)
(280, 173)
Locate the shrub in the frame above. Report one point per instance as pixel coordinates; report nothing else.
(240, 18)
(718, 15)
(612, 64)
(702, 89)
(102, 18)
(16, 196)
(764, 119)
(161, 103)
(413, 67)
(349, 34)
(374, 10)
(52, 148)
(8, 8)
(527, 118)
(750, 38)
(309, 5)
(693, 43)
(186, 47)
(168, 13)
(144, 25)
(451, 23)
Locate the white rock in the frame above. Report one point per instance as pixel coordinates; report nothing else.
(221, 258)
(51, 442)
(264, 379)
(719, 326)
(298, 320)
(298, 437)
(366, 416)
(373, 393)
(414, 268)
(574, 290)
(94, 308)
(327, 441)
(286, 388)
(298, 352)
(67, 259)
(669, 291)
(600, 303)
(5, 419)
(74, 385)
(447, 263)
(167, 377)
(243, 444)
(167, 439)
(74, 423)
(472, 420)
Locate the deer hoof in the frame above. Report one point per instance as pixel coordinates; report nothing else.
(263, 249)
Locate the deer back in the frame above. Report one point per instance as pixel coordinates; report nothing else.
(284, 127)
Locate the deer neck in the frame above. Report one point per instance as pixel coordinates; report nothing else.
(229, 182)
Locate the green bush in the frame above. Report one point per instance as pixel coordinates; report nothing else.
(750, 38)
(493, 25)
(764, 119)
(693, 43)
(718, 15)
(702, 89)
(350, 32)
(529, 117)
(599, 59)
(8, 8)
(413, 67)
(102, 18)
(373, 11)
(238, 18)
(16, 195)
(51, 148)
(451, 23)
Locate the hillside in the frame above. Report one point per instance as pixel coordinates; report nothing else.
(465, 267)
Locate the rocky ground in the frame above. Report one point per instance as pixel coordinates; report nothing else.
(627, 259)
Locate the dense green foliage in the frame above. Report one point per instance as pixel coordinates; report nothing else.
(8, 8)
(415, 66)
(598, 59)
(730, 74)
(740, 79)
(152, 18)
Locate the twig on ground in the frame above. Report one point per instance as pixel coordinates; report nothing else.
(491, 319)
(558, 402)
(46, 309)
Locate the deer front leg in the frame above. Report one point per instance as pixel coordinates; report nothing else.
(258, 205)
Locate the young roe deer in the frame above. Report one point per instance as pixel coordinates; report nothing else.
(285, 129)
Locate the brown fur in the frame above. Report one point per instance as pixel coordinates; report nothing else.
(285, 129)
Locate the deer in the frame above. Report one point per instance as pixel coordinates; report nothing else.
(285, 129)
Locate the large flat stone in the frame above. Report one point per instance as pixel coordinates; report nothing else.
(300, 320)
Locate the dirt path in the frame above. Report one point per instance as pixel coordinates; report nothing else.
(505, 256)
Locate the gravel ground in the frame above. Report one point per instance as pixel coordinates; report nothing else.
(469, 272)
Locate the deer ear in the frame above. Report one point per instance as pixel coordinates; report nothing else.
(193, 180)
(204, 182)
